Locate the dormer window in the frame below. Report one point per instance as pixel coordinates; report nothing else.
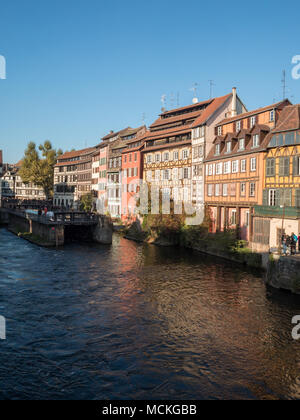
(228, 147)
(241, 144)
(238, 126)
(272, 116)
(256, 140)
(252, 121)
(219, 131)
(218, 149)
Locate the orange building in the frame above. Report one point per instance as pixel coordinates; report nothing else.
(234, 168)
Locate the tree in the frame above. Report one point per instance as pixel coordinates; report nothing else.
(86, 202)
(40, 170)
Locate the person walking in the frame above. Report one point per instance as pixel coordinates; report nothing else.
(296, 241)
(293, 244)
(284, 244)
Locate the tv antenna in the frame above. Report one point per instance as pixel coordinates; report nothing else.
(195, 90)
(163, 101)
(211, 86)
(178, 103)
(172, 100)
(283, 81)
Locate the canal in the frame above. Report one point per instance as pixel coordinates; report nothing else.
(134, 321)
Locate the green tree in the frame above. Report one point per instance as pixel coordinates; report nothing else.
(40, 169)
(86, 202)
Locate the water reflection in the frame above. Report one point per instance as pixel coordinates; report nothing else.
(136, 321)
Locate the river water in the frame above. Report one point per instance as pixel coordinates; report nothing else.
(135, 321)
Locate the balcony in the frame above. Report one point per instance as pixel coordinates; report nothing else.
(277, 212)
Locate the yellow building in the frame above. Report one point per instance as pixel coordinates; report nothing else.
(280, 212)
(234, 175)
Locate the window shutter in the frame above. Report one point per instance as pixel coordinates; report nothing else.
(296, 165)
(265, 197)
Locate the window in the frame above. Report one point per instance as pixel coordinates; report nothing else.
(202, 131)
(210, 170)
(175, 155)
(271, 167)
(198, 170)
(228, 147)
(296, 165)
(273, 198)
(233, 218)
(210, 190)
(272, 116)
(219, 167)
(241, 144)
(253, 164)
(252, 189)
(252, 121)
(243, 165)
(186, 173)
(226, 168)
(284, 166)
(185, 154)
(225, 190)
(166, 175)
(157, 158)
(149, 159)
(218, 148)
(238, 126)
(219, 131)
(166, 156)
(256, 140)
(217, 190)
(243, 189)
(235, 166)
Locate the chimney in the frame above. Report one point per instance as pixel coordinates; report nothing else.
(111, 131)
(234, 103)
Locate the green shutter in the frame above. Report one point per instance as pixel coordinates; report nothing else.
(296, 165)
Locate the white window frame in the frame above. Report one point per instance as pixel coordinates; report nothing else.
(253, 165)
(256, 140)
(242, 141)
(228, 147)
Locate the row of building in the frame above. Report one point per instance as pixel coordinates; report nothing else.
(13, 187)
(242, 166)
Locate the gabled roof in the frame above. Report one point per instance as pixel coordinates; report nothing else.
(289, 119)
(280, 104)
(211, 109)
(235, 150)
(113, 134)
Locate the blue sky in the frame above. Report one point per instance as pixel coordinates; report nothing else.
(78, 69)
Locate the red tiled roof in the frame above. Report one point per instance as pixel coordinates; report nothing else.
(185, 108)
(289, 119)
(75, 153)
(166, 121)
(211, 109)
(254, 112)
(235, 151)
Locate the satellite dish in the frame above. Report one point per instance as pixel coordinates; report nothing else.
(195, 101)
